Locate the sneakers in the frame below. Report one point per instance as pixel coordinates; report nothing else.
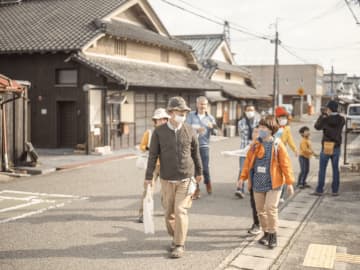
(281, 200)
(239, 194)
(172, 247)
(209, 188)
(264, 240)
(196, 193)
(307, 186)
(141, 219)
(335, 194)
(254, 230)
(272, 240)
(177, 252)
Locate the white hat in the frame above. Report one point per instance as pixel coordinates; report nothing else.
(160, 113)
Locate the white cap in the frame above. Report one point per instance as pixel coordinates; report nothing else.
(160, 113)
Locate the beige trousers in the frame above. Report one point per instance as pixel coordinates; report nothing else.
(156, 175)
(176, 202)
(267, 209)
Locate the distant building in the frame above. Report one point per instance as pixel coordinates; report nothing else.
(214, 54)
(291, 79)
(342, 87)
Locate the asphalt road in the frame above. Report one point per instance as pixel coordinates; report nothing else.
(97, 228)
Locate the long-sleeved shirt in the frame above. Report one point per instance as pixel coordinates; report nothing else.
(288, 139)
(197, 122)
(178, 150)
(145, 142)
(244, 130)
(305, 148)
(332, 127)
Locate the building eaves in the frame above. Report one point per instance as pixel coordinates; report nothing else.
(136, 33)
(239, 91)
(139, 74)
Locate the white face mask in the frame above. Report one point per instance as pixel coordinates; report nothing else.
(250, 114)
(180, 119)
(283, 122)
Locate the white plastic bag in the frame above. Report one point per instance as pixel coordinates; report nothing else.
(141, 161)
(148, 206)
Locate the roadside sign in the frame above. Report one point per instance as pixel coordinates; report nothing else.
(300, 91)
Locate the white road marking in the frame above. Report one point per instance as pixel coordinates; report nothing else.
(39, 194)
(33, 198)
(18, 198)
(20, 206)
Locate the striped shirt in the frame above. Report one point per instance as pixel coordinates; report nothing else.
(244, 130)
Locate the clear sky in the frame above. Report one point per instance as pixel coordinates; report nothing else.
(317, 31)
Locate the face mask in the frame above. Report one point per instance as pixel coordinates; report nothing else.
(250, 114)
(283, 122)
(263, 134)
(180, 119)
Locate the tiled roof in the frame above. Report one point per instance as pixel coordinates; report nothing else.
(51, 25)
(210, 66)
(149, 75)
(204, 45)
(215, 96)
(235, 90)
(133, 32)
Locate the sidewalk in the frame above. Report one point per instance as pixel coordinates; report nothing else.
(314, 233)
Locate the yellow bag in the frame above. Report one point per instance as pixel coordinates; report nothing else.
(329, 148)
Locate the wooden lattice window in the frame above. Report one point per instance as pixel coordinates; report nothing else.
(120, 47)
(164, 56)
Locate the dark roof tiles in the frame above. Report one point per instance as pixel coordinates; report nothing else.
(144, 74)
(51, 25)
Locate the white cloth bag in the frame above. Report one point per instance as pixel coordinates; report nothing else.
(148, 206)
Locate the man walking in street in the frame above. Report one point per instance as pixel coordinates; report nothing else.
(331, 123)
(203, 124)
(246, 124)
(177, 147)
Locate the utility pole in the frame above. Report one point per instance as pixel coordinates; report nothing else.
(332, 82)
(276, 69)
(227, 32)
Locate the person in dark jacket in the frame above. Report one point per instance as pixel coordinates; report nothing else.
(331, 123)
(176, 145)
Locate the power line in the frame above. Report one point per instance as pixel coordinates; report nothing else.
(238, 29)
(243, 28)
(333, 9)
(345, 46)
(353, 2)
(284, 47)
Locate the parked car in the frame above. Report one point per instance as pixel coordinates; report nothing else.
(353, 116)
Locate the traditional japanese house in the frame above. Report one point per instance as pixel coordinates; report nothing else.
(98, 69)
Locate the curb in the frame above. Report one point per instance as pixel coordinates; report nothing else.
(35, 171)
(92, 162)
(293, 216)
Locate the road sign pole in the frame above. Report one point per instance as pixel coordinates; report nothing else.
(301, 106)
